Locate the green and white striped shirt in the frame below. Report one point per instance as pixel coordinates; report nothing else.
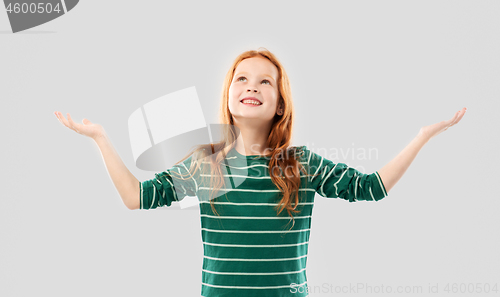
(248, 249)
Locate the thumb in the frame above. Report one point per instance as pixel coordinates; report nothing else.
(86, 122)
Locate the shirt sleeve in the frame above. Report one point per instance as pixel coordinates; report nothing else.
(338, 180)
(167, 187)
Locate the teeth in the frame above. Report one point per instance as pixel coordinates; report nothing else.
(251, 102)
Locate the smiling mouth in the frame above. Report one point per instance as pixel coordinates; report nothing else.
(250, 103)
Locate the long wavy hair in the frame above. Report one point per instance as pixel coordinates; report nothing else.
(287, 177)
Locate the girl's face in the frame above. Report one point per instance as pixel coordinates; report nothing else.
(254, 77)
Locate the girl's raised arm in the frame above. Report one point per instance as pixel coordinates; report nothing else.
(127, 184)
(394, 170)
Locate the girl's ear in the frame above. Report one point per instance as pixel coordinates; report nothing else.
(280, 107)
(280, 110)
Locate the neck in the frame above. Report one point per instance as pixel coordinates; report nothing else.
(252, 140)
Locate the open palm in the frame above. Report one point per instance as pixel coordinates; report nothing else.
(433, 130)
(87, 128)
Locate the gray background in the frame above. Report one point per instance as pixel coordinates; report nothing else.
(364, 74)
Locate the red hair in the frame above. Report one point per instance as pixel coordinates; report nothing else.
(287, 178)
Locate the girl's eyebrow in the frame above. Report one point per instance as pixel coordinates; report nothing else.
(239, 73)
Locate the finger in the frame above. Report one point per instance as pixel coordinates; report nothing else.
(460, 116)
(57, 116)
(62, 119)
(450, 122)
(72, 123)
(70, 120)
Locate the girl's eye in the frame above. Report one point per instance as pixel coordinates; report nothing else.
(245, 78)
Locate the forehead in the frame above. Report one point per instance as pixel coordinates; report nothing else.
(259, 65)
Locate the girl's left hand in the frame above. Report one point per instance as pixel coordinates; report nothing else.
(432, 130)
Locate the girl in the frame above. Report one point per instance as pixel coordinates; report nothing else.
(252, 247)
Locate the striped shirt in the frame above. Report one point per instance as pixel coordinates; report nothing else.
(249, 250)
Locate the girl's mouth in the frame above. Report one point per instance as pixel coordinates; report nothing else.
(251, 104)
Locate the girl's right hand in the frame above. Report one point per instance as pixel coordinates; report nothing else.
(88, 128)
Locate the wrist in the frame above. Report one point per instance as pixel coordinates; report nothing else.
(422, 137)
(100, 137)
